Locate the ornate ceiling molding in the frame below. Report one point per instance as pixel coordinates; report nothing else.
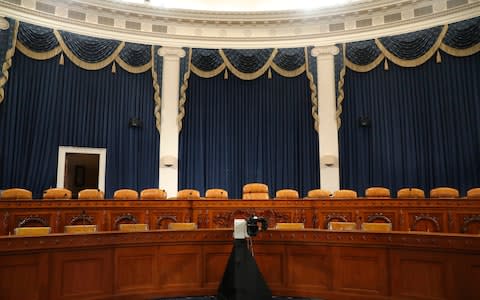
(183, 28)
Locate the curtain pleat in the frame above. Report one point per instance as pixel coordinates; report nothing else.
(424, 130)
(238, 131)
(51, 105)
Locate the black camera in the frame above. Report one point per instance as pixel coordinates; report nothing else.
(253, 225)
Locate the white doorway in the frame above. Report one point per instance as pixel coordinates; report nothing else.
(81, 168)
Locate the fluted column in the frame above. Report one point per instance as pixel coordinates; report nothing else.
(168, 172)
(327, 131)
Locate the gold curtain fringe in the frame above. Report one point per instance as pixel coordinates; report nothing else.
(313, 92)
(225, 74)
(62, 60)
(132, 69)
(207, 74)
(269, 73)
(183, 93)
(248, 76)
(385, 65)
(341, 94)
(38, 55)
(156, 94)
(438, 58)
(285, 73)
(114, 68)
(8, 62)
(410, 63)
(364, 68)
(460, 52)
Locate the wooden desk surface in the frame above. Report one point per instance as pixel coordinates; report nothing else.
(434, 215)
(308, 263)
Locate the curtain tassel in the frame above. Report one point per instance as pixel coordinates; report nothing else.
(114, 68)
(385, 65)
(62, 60)
(439, 57)
(225, 75)
(269, 73)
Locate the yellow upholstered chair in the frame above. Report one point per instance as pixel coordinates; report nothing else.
(57, 193)
(289, 226)
(342, 226)
(377, 192)
(125, 194)
(32, 230)
(444, 192)
(380, 227)
(16, 193)
(182, 226)
(410, 193)
(153, 194)
(133, 227)
(216, 194)
(473, 193)
(258, 191)
(80, 228)
(188, 194)
(286, 194)
(318, 194)
(345, 194)
(91, 194)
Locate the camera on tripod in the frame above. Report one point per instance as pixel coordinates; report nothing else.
(254, 223)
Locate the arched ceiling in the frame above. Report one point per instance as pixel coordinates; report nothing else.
(149, 23)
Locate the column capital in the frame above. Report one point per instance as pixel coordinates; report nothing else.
(4, 25)
(325, 50)
(171, 52)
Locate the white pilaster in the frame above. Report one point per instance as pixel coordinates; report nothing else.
(168, 172)
(327, 131)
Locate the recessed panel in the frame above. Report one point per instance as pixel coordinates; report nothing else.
(135, 269)
(180, 266)
(308, 268)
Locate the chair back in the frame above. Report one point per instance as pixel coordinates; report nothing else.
(286, 194)
(16, 193)
(188, 194)
(216, 194)
(125, 194)
(25, 231)
(91, 194)
(80, 228)
(444, 192)
(410, 193)
(318, 194)
(345, 194)
(57, 193)
(342, 226)
(377, 192)
(133, 227)
(153, 194)
(255, 191)
(473, 193)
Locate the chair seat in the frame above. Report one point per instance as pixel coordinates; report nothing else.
(16, 193)
(182, 226)
(377, 192)
(380, 227)
(80, 228)
(473, 193)
(188, 194)
(342, 226)
(26, 231)
(290, 226)
(133, 227)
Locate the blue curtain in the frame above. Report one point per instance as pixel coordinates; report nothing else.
(48, 105)
(425, 126)
(237, 131)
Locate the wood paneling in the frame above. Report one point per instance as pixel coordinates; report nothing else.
(81, 274)
(180, 267)
(136, 269)
(309, 267)
(215, 260)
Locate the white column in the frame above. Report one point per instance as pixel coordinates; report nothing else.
(168, 172)
(327, 131)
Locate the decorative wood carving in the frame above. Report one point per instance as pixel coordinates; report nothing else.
(468, 220)
(378, 216)
(433, 220)
(82, 219)
(127, 218)
(334, 217)
(163, 221)
(33, 221)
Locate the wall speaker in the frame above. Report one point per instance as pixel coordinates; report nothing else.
(365, 122)
(135, 123)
